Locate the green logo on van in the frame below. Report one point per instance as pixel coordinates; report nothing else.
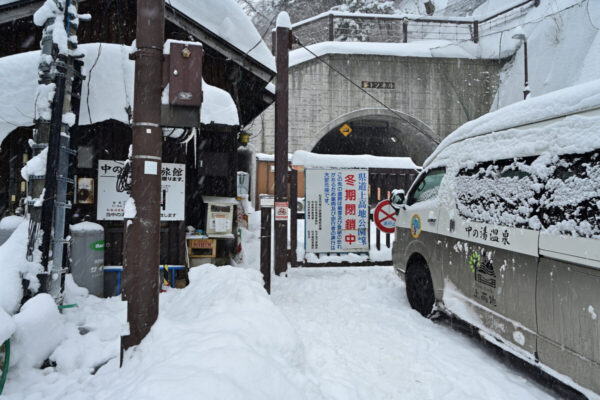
(98, 246)
(474, 261)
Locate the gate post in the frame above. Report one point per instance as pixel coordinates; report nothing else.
(330, 27)
(476, 32)
(265, 245)
(281, 141)
(294, 217)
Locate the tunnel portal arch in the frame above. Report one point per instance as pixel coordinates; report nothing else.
(378, 132)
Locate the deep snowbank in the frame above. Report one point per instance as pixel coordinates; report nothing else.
(221, 337)
(14, 267)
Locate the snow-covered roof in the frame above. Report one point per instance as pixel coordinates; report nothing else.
(557, 125)
(106, 94)
(269, 157)
(226, 19)
(313, 160)
(422, 48)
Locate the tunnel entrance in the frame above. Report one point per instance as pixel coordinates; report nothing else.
(368, 136)
(379, 133)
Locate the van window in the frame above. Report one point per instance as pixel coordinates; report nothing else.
(500, 193)
(561, 197)
(570, 203)
(427, 188)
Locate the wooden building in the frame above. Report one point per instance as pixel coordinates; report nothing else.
(237, 67)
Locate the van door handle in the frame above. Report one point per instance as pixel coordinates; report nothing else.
(431, 220)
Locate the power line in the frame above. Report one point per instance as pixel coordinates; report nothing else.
(262, 36)
(436, 141)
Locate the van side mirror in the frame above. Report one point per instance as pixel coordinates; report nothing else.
(397, 198)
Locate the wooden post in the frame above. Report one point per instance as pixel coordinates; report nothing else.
(293, 218)
(273, 42)
(405, 30)
(281, 140)
(476, 31)
(141, 253)
(330, 25)
(265, 246)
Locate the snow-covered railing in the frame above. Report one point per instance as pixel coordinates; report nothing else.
(399, 28)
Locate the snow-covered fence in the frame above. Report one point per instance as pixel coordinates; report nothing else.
(401, 28)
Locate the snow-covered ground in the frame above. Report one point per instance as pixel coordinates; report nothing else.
(324, 333)
(363, 341)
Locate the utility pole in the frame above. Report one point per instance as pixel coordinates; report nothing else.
(141, 253)
(47, 194)
(283, 31)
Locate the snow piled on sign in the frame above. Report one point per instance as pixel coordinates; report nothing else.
(226, 19)
(107, 93)
(314, 160)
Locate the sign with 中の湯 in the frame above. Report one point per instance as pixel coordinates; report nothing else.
(112, 194)
(337, 210)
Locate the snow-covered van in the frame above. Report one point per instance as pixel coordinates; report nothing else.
(502, 230)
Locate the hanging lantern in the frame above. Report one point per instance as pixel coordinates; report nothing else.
(244, 138)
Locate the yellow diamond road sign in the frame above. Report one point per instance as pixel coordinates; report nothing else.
(345, 130)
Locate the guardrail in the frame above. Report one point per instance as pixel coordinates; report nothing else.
(399, 28)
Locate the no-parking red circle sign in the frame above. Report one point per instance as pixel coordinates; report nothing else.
(385, 217)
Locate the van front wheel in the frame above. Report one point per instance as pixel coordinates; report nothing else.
(419, 288)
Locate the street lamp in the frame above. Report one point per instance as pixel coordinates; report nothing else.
(523, 38)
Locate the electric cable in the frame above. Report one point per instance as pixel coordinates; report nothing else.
(434, 140)
(89, 79)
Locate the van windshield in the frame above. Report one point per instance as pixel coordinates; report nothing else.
(428, 187)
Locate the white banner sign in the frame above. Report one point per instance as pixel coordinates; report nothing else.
(337, 210)
(112, 196)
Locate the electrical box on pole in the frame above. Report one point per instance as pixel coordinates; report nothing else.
(182, 84)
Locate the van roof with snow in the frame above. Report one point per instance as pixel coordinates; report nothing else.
(564, 121)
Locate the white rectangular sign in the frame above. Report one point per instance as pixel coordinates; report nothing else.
(112, 197)
(281, 211)
(337, 210)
